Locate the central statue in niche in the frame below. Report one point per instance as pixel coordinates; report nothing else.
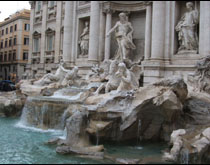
(123, 34)
(187, 29)
(84, 40)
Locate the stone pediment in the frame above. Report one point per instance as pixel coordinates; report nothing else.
(36, 33)
(50, 30)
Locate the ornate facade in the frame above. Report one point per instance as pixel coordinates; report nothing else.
(169, 36)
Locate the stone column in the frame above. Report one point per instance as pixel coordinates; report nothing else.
(67, 38)
(43, 31)
(31, 32)
(74, 32)
(158, 30)
(58, 31)
(108, 39)
(94, 32)
(148, 31)
(102, 36)
(204, 39)
(168, 23)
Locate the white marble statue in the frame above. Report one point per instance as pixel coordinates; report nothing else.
(128, 81)
(71, 77)
(113, 80)
(84, 40)
(187, 29)
(50, 77)
(123, 34)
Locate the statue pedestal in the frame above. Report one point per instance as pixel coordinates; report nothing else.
(83, 56)
(182, 52)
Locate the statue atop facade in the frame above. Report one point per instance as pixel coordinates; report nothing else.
(187, 29)
(84, 40)
(123, 33)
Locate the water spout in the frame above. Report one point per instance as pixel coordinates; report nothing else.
(139, 137)
(184, 158)
(97, 136)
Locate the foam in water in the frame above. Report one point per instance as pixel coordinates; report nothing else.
(30, 128)
(24, 124)
(139, 129)
(61, 96)
(64, 134)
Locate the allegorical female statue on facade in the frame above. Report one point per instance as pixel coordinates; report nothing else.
(187, 29)
(123, 34)
(84, 40)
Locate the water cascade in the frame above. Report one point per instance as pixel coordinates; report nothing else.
(184, 158)
(139, 138)
(44, 112)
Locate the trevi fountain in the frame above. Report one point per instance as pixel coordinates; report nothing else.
(108, 116)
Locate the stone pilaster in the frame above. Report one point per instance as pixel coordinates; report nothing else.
(58, 31)
(67, 38)
(148, 32)
(204, 39)
(158, 30)
(43, 30)
(108, 39)
(102, 36)
(94, 32)
(168, 31)
(31, 32)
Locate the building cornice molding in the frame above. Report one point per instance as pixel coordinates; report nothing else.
(117, 6)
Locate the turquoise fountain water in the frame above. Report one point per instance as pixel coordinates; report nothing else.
(27, 145)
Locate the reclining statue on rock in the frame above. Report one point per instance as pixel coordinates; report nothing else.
(52, 78)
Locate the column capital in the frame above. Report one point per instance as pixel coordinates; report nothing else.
(32, 3)
(107, 8)
(108, 11)
(147, 3)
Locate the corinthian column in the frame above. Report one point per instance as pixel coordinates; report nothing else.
(31, 31)
(43, 32)
(108, 39)
(204, 41)
(158, 30)
(94, 31)
(67, 39)
(148, 31)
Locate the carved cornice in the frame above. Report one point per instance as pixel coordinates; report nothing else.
(129, 7)
(147, 3)
(44, 2)
(83, 10)
(107, 9)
